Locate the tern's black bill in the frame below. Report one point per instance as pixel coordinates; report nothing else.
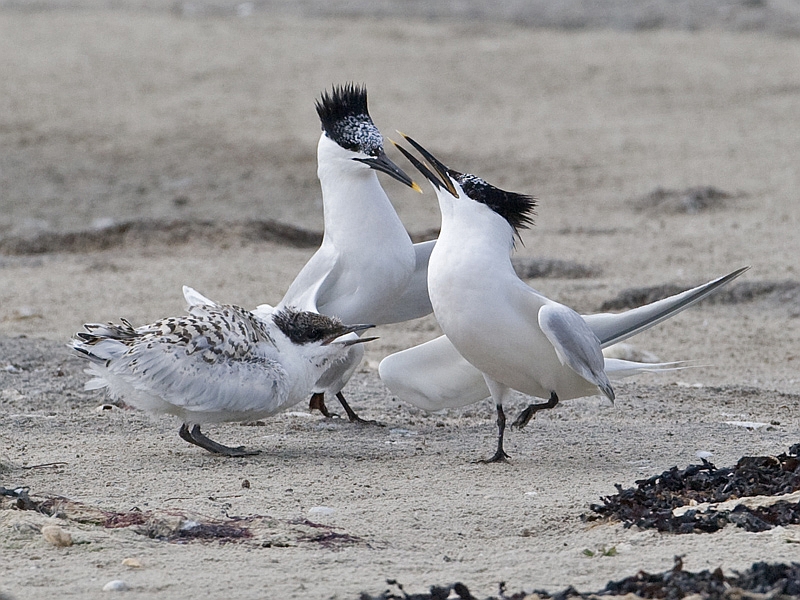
(442, 176)
(359, 340)
(383, 164)
(426, 172)
(350, 329)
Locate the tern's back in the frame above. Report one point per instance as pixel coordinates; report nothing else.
(219, 363)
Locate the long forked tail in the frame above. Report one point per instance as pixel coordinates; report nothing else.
(617, 368)
(611, 328)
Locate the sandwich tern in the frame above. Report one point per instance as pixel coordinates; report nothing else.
(366, 269)
(501, 334)
(218, 363)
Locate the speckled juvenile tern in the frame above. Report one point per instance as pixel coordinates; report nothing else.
(367, 270)
(218, 363)
(499, 329)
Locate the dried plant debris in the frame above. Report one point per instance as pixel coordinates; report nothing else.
(539, 268)
(759, 493)
(177, 527)
(436, 593)
(782, 292)
(771, 580)
(762, 580)
(691, 200)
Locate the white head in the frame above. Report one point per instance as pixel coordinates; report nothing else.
(350, 142)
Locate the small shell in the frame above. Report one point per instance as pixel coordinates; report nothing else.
(56, 536)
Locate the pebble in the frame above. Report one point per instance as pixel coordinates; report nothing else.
(56, 536)
(402, 432)
(746, 424)
(321, 510)
(133, 563)
(116, 585)
(297, 413)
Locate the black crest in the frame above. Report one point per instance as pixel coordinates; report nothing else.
(345, 119)
(303, 327)
(517, 209)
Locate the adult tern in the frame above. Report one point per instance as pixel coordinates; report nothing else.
(218, 363)
(367, 270)
(499, 329)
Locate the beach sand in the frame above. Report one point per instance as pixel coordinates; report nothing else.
(120, 116)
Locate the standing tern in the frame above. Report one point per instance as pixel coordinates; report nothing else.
(218, 363)
(497, 327)
(367, 270)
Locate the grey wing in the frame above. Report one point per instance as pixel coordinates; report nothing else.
(575, 344)
(433, 376)
(186, 381)
(221, 360)
(312, 285)
(414, 302)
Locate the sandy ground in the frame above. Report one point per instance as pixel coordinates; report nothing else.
(110, 116)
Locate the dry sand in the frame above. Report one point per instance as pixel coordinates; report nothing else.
(112, 116)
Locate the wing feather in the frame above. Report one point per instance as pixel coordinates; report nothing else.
(575, 344)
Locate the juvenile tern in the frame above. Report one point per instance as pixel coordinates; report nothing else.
(367, 269)
(218, 363)
(499, 329)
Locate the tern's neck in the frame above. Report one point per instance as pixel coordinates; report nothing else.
(475, 225)
(356, 208)
(301, 365)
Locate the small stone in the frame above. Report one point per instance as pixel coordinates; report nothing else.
(56, 536)
(245, 484)
(133, 563)
(11, 395)
(321, 510)
(117, 585)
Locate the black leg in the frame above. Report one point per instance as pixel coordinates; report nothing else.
(500, 455)
(198, 438)
(527, 414)
(317, 402)
(351, 414)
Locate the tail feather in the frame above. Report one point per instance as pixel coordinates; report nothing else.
(616, 368)
(98, 380)
(195, 298)
(611, 328)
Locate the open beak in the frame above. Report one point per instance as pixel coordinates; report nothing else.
(358, 340)
(441, 177)
(350, 329)
(383, 164)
